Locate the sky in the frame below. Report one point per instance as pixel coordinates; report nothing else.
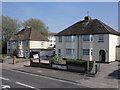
(60, 15)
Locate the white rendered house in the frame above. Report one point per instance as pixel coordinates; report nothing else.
(89, 39)
(26, 41)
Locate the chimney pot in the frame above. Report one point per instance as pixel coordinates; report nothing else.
(87, 18)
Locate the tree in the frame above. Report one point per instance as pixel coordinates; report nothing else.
(9, 27)
(37, 25)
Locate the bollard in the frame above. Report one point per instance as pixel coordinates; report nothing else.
(31, 60)
(39, 60)
(14, 59)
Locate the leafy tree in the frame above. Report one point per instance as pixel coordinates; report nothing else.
(37, 25)
(9, 26)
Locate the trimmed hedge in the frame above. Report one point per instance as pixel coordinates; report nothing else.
(57, 60)
(91, 63)
(75, 62)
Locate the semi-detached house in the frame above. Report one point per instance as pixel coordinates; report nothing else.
(27, 41)
(89, 39)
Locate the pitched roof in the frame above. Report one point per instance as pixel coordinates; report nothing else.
(52, 33)
(89, 26)
(29, 34)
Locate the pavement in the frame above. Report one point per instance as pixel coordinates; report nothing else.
(108, 77)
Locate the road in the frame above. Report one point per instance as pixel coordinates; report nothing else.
(17, 79)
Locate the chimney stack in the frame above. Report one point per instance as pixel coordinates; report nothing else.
(28, 27)
(87, 18)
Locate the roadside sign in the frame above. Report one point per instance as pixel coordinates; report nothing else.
(35, 56)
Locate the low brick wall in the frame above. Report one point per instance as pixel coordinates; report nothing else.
(39, 63)
(81, 69)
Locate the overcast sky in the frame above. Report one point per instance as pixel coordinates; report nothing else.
(59, 15)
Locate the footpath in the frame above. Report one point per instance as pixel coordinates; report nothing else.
(108, 77)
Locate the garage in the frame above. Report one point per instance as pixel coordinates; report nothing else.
(118, 53)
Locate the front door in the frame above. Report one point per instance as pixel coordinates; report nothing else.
(102, 56)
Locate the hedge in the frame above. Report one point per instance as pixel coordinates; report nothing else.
(91, 63)
(75, 62)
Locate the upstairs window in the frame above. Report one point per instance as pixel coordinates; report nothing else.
(101, 38)
(20, 42)
(69, 38)
(27, 44)
(60, 39)
(9, 43)
(42, 44)
(87, 38)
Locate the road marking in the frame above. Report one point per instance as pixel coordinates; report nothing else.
(4, 78)
(5, 86)
(25, 85)
(48, 77)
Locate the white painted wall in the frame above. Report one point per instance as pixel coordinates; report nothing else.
(109, 46)
(37, 45)
(119, 40)
(65, 45)
(97, 46)
(113, 42)
(84, 45)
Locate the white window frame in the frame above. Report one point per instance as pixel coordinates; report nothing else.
(70, 51)
(27, 43)
(86, 52)
(69, 38)
(59, 38)
(42, 44)
(9, 43)
(59, 52)
(86, 37)
(91, 52)
(101, 38)
(20, 42)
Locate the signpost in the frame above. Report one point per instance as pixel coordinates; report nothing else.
(35, 56)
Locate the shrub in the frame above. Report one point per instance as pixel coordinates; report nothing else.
(91, 63)
(75, 62)
(2, 56)
(57, 60)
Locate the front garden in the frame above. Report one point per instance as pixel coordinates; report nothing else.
(67, 64)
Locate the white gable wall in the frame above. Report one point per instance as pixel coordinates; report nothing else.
(113, 42)
(97, 46)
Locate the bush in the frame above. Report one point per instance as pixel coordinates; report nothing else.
(2, 56)
(75, 62)
(91, 63)
(57, 60)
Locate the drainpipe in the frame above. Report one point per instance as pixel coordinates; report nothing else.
(78, 47)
